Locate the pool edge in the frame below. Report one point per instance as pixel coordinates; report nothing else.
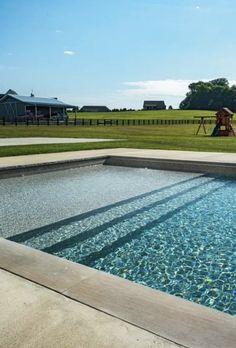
(194, 166)
(135, 161)
(167, 316)
(45, 167)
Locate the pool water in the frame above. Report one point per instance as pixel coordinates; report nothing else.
(178, 238)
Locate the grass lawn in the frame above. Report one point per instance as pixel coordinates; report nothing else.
(168, 137)
(160, 114)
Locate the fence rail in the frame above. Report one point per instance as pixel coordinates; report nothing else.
(102, 122)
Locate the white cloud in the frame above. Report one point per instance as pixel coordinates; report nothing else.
(174, 88)
(197, 7)
(58, 31)
(69, 53)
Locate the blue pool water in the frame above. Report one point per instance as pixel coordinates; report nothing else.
(178, 238)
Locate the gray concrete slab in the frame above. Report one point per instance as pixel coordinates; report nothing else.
(178, 320)
(197, 162)
(33, 316)
(215, 157)
(172, 318)
(47, 140)
(42, 268)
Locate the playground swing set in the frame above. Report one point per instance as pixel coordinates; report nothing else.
(223, 127)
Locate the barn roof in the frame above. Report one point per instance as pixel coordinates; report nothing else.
(95, 107)
(11, 91)
(154, 102)
(38, 101)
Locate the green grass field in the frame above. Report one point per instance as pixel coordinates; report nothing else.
(169, 137)
(177, 137)
(160, 114)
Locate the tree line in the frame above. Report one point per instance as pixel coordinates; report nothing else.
(211, 95)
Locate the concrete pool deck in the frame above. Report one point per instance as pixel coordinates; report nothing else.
(43, 318)
(189, 161)
(46, 300)
(47, 140)
(208, 157)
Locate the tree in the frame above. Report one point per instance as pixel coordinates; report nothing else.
(211, 95)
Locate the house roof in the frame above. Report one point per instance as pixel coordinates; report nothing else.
(95, 107)
(11, 91)
(38, 101)
(154, 102)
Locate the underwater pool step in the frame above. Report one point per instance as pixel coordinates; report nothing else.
(115, 235)
(94, 256)
(52, 234)
(73, 234)
(88, 234)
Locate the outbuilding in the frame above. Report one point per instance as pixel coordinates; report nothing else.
(15, 107)
(94, 108)
(154, 105)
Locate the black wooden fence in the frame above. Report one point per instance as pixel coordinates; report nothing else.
(102, 122)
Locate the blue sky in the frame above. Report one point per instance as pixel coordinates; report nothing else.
(115, 52)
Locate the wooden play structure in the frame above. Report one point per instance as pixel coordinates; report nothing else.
(202, 122)
(223, 125)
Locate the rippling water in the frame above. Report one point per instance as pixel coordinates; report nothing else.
(176, 235)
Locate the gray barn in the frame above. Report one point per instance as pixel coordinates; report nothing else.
(92, 108)
(154, 105)
(13, 106)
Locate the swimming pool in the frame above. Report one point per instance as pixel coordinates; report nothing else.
(170, 231)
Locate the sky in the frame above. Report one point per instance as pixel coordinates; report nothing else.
(115, 52)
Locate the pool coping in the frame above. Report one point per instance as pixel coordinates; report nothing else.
(117, 157)
(38, 168)
(175, 319)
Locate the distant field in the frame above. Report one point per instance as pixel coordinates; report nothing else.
(160, 114)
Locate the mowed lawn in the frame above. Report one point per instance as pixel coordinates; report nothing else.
(142, 115)
(169, 137)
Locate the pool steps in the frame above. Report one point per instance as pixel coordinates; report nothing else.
(88, 242)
